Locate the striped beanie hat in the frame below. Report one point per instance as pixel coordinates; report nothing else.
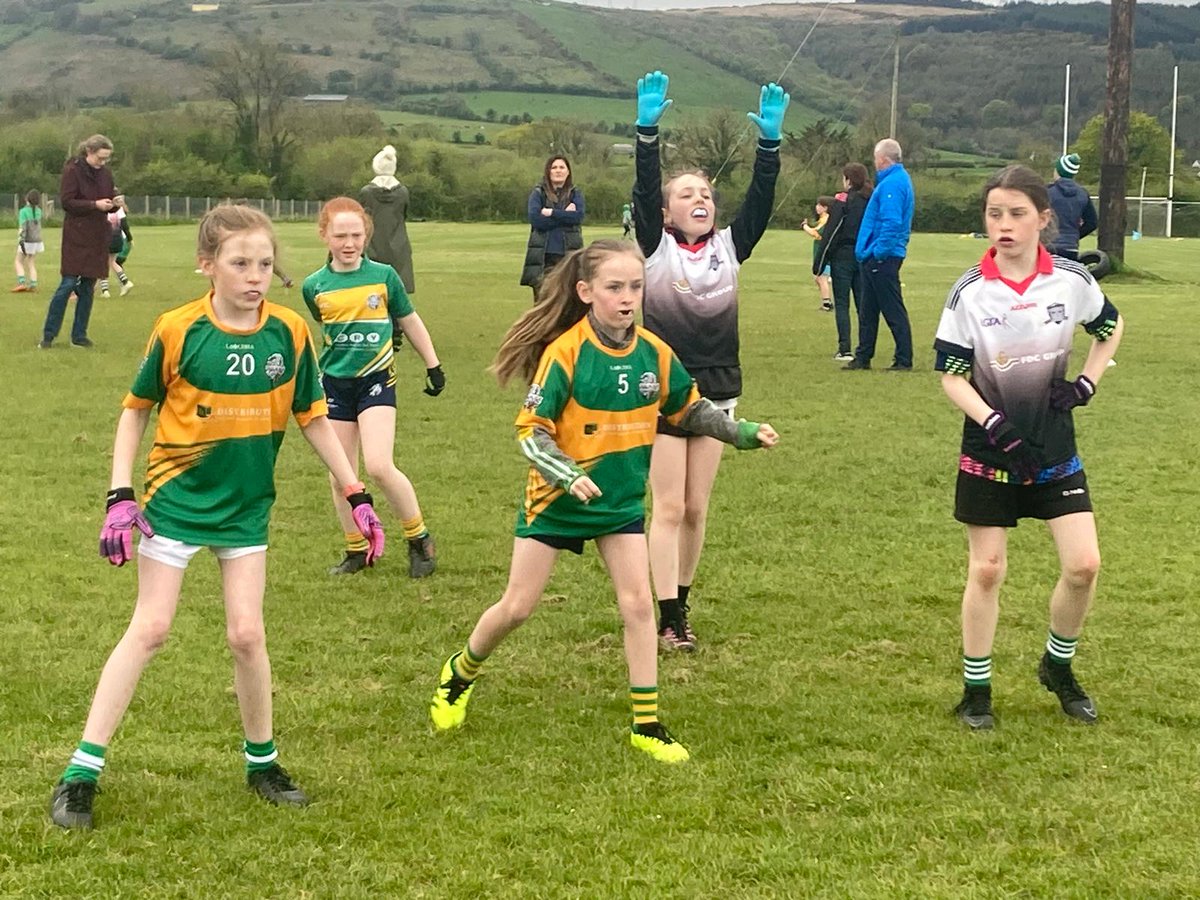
(1067, 166)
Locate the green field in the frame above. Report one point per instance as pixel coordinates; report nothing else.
(825, 762)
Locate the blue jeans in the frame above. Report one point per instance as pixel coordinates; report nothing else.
(881, 295)
(83, 288)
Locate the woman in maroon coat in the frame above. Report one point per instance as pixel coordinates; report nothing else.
(87, 195)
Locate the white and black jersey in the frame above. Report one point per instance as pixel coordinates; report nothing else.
(691, 293)
(1013, 340)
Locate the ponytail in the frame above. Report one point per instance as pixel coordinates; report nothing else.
(558, 309)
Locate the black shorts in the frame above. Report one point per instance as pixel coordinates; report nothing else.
(575, 544)
(347, 397)
(980, 501)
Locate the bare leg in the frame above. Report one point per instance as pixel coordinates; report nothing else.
(31, 265)
(668, 486)
(377, 433)
(532, 565)
(703, 460)
(1079, 556)
(986, 565)
(244, 581)
(158, 596)
(627, 560)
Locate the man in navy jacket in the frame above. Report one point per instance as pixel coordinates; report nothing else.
(880, 250)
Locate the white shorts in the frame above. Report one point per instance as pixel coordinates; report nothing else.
(177, 554)
(32, 249)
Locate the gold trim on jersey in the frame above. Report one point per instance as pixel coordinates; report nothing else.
(169, 460)
(378, 362)
(354, 304)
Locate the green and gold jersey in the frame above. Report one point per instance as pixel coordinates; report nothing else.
(601, 405)
(223, 397)
(356, 310)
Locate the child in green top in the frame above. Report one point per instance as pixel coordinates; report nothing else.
(29, 242)
(817, 233)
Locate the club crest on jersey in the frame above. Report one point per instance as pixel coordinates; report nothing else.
(714, 262)
(648, 385)
(534, 398)
(275, 367)
(373, 301)
(1057, 313)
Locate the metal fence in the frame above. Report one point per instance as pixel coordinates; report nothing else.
(180, 208)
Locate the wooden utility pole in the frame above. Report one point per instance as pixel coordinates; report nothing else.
(895, 89)
(1114, 147)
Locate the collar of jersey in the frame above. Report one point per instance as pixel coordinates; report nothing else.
(987, 268)
(690, 248)
(590, 333)
(229, 329)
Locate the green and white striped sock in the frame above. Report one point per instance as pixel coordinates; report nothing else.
(1061, 649)
(977, 670)
(260, 757)
(87, 762)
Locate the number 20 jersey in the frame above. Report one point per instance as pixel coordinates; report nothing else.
(224, 397)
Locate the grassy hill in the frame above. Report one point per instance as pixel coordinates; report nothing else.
(461, 58)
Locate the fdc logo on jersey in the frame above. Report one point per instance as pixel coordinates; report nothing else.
(1003, 362)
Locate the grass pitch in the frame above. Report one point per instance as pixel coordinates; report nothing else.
(825, 762)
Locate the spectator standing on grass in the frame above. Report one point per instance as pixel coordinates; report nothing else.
(29, 242)
(1003, 346)
(837, 252)
(87, 196)
(880, 250)
(556, 213)
(1074, 212)
(386, 201)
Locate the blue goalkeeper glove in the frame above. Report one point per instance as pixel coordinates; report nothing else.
(652, 99)
(772, 104)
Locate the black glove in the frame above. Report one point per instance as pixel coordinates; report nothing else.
(21, 248)
(435, 381)
(1066, 395)
(1022, 464)
(397, 340)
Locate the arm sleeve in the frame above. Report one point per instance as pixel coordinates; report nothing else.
(1102, 325)
(565, 217)
(536, 219)
(703, 417)
(149, 386)
(309, 291)
(647, 191)
(954, 345)
(681, 391)
(751, 220)
(1088, 219)
(69, 192)
(548, 458)
(889, 224)
(864, 245)
(309, 399)
(399, 305)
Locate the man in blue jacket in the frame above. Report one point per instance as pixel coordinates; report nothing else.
(881, 247)
(1073, 209)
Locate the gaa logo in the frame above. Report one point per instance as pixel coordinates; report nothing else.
(275, 367)
(534, 398)
(648, 385)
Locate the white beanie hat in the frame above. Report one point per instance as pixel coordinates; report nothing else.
(384, 162)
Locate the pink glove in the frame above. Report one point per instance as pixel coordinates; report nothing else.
(368, 524)
(116, 537)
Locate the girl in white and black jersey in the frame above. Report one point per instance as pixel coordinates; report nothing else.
(691, 295)
(1003, 344)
